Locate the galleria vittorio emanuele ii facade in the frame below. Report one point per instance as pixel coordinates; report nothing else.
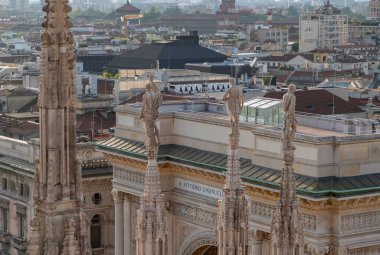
(336, 177)
(190, 177)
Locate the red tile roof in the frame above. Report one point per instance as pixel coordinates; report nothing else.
(84, 122)
(363, 101)
(23, 128)
(318, 101)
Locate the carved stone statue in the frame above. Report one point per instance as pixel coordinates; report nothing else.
(152, 101)
(290, 123)
(234, 100)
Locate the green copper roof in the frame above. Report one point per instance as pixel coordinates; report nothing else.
(262, 176)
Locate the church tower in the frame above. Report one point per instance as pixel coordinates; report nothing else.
(59, 227)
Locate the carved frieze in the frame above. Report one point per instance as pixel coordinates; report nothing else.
(262, 210)
(360, 221)
(312, 250)
(193, 214)
(128, 176)
(309, 221)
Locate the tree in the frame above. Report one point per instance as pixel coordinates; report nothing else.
(151, 15)
(174, 10)
(107, 74)
(347, 11)
(292, 11)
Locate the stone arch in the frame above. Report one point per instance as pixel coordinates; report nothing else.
(98, 232)
(196, 241)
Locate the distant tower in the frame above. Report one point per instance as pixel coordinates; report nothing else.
(287, 223)
(227, 5)
(227, 15)
(233, 208)
(59, 227)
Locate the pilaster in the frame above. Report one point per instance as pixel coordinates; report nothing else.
(119, 236)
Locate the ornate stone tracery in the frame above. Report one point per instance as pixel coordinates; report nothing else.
(151, 227)
(233, 211)
(287, 222)
(56, 228)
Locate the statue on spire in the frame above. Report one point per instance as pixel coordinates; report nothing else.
(152, 101)
(233, 208)
(151, 229)
(287, 222)
(234, 101)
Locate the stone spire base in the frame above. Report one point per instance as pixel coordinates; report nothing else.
(233, 211)
(287, 222)
(151, 229)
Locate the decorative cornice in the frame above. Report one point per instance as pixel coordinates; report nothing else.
(255, 193)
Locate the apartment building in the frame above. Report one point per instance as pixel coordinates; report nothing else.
(324, 29)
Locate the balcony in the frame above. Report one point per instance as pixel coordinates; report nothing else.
(19, 243)
(4, 237)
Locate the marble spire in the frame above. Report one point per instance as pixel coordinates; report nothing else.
(287, 223)
(233, 208)
(59, 225)
(151, 229)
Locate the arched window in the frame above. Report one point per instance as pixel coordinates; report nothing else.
(96, 198)
(96, 232)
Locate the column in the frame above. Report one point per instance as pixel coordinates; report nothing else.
(127, 225)
(257, 247)
(118, 199)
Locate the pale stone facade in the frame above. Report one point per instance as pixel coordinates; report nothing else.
(322, 31)
(192, 159)
(373, 10)
(17, 178)
(16, 195)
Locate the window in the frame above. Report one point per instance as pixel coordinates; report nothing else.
(21, 189)
(21, 225)
(96, 198)
(96, 232)
(5, 184)
(4, 219)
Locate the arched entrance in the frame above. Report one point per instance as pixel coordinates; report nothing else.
(200, 244)
(206, 250)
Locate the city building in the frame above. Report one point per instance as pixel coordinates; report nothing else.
(129, 15)
(373, 10)
(228, 16)
(336, 176)
(18, 5)
(364, 34)
(203, 23)
(17, 175)
(172, 54)
(274, 36)
(326, 28)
